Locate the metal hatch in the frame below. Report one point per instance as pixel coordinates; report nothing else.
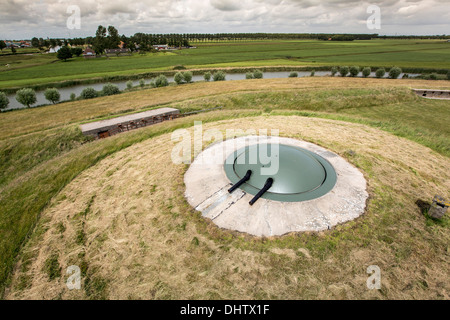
(302, 175)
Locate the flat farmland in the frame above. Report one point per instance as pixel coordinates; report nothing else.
(423, 55)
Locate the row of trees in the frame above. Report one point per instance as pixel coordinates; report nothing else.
(354, 71)
(27, 96)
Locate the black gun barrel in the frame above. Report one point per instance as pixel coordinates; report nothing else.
(266, 187)
(240, 182)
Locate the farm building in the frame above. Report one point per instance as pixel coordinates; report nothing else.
(106, 128)
(89, 53)
(161, 47)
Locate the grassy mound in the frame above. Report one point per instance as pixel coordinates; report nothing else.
(44, 150)
(126, 224)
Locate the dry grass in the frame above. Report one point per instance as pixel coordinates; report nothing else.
(31, 120)
(126, 224)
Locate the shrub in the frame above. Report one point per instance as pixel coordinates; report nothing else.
(343, 71)
(207, 76)
(4, 101)
(161, 81)
(258, 74)
(354, 71)
(394, 72)
(187, 76)
(178, 78)
(448, 75)
(405, 76)
(313, 73)
(76, 51)
(141, 83)
(89, 93)
(380, 73)
(64, 53)
(26, 96)
(334, 70)
(366, 72)
(152, 83)
(129, 85)
(73, 96)
(249, 75)
(219, 76)
(293, 74)
(433, 76)
(179, 68)
(52, 95)
(110, 89)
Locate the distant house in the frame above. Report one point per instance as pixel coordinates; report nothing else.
(54, 49)
(160, 47)
(118, 51)
(88, 53)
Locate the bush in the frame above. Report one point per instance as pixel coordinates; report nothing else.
(129, 85)
(258, 74)
(433, 76)
(4, 101)
(366, 72)
(313, 73)
(161, 81)
(178, 78)
(293, 74)
(334, 70)
(343, 71)
(219, 76)
(249, 75)
(141, 83)
(380, 73)
(73, 96)
(354, 71)
(448, 75)
(179, 68)
(405, 76)
(76, 51)
(110, 89)
(187, 76)
(64, 53)
(207, 76)
(52, 95)
(89, 93)
(394, 72)
(26, 96)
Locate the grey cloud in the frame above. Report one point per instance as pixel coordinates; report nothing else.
(226, 5)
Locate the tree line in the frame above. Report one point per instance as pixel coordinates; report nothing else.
(109, 37)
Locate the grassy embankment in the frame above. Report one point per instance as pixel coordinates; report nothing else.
(412, 56)
(43, 151)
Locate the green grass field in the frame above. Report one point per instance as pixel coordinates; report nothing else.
(409, 54)
(43, 153)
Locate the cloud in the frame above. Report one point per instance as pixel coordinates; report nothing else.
(42, 18)
(226, 5)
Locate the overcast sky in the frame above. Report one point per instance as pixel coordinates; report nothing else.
(23, 19)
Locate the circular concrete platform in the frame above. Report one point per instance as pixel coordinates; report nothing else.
(207, 191)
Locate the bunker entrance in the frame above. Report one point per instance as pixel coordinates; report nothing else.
(279, 172)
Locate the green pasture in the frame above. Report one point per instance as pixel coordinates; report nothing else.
(28, 70)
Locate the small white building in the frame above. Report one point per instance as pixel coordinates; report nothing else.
(54, 49)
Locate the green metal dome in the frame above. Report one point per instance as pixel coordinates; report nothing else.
(301, 175)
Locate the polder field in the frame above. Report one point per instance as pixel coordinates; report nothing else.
(415, 56)
(116, 208)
